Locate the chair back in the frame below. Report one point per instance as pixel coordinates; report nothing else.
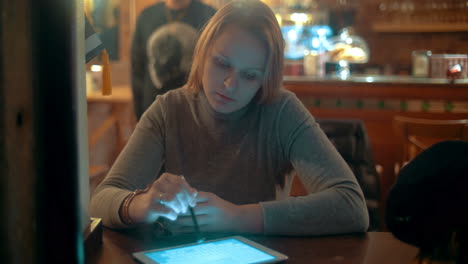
(351, 140)
(417, 134)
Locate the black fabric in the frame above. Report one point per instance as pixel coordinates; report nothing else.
(351, 140)
(429, 200)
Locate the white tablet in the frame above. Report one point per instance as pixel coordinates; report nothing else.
(228, 250)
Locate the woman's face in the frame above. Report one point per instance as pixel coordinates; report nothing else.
(234, 69)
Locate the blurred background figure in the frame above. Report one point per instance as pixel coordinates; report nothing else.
(170, 51)
(145, 52)
(427, 207)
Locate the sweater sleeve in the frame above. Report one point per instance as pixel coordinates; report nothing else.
(335, 202)
(137, 165)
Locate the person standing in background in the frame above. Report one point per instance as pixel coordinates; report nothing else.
(144, 88)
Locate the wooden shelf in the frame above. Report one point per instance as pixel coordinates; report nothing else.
(409, 28)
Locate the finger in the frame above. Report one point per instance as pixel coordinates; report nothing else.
(167, 181)
(187, 194)
(168, 200)
(193, 201)
(166, 176)
(154, 186)
(177, 185)
(190, 198)
(161, 211)
(168, 186)
(174, 202)
(175, 179)
(161, 185)
(171, 215)
(191, 191)
(182, 199)
(182, 182)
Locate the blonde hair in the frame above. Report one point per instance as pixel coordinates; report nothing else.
(252, 16)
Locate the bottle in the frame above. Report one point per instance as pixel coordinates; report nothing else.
(420, 63)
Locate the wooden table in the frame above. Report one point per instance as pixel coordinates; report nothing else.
(369, 248)
(120, 102)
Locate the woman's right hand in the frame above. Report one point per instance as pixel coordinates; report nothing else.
(168, 196)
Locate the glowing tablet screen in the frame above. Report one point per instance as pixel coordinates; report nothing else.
(230, 251)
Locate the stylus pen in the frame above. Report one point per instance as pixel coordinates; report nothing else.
(197, 228)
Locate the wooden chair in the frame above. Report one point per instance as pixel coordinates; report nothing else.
(417, 134)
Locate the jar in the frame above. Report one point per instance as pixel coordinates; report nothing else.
(348, 47)
(420, 63)
(314, 63)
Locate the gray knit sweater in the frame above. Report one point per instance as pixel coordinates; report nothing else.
(244, 157)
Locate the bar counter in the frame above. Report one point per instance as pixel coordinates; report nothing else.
(376, 79)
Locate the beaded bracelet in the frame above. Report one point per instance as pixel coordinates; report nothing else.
(124, 214)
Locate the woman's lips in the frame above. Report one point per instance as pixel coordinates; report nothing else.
(224, 98)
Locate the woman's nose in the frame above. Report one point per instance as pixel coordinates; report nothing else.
(230, 81)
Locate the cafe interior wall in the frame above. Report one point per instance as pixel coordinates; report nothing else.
(387, 49)
(394, 48)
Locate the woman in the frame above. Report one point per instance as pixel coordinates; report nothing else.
(237, 137)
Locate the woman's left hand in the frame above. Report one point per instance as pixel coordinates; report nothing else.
(213, 215)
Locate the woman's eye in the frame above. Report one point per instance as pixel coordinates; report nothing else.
(251, 76)
(222, 62)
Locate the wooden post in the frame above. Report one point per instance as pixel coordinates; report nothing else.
(38, 132)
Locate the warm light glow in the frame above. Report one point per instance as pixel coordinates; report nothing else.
(344, 74)
(310, 52)
(357, 52)
(292, 35)
(299, 18)
(96, 68)
(322, 32)
(343, 71)
(280, 20)
(343, 63)
(316, 43)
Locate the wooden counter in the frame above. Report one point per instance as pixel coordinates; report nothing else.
(376, 101)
